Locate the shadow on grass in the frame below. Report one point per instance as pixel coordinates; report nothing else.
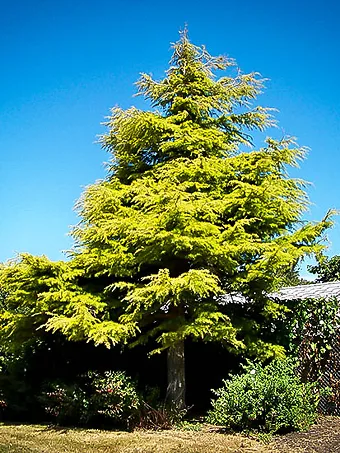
(10, 449)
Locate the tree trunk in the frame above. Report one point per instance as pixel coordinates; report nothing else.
(175, 395)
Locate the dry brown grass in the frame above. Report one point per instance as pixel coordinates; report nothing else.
(323, 437)
(41, 439)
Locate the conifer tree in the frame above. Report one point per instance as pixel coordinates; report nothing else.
(187, 214)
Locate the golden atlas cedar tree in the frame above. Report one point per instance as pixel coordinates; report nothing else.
(189, 211)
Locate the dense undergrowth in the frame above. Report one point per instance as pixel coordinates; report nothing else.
(264, 399)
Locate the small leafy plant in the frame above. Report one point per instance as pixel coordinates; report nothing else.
(267, 399)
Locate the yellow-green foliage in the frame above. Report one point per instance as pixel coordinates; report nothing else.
(186, 213)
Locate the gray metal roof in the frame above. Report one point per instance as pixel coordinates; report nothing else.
(310, 291)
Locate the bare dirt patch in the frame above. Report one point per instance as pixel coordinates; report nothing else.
(323, 437)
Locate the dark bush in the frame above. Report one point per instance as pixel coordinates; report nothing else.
(65, 404)
(113, 398)
(109, 399)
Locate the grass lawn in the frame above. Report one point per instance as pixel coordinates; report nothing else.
(42, 439)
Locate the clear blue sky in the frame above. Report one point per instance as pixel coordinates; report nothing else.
(65, 63)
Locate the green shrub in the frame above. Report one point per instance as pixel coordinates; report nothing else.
(267, 399)
(108, 399)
